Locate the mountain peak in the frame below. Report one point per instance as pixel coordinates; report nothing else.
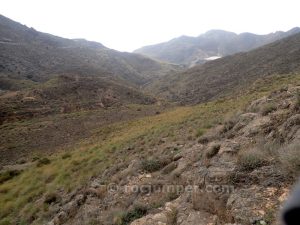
(196, 50)
(217, 32)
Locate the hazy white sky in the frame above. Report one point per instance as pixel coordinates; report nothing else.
(129, 24)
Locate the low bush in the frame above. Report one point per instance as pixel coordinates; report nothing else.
(173, 194)
(152, 165)
(43, 161)
(289, 157)
(267, 109)
(230, 123)
(52, 198)
(7, 175)
(212, 151)
(203, 140)
(66, 156)
(200, 132)
(135, 213)
(250, 160)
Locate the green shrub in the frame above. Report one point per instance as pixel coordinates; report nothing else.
(137, 212)
(152, 165)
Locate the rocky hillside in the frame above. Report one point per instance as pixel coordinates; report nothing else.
(230, 161)
(63, 111)
(67, 94)
(81, 142)
(219, 77)
(197, 50)
(26, 54)
(54, 92)
(238, 172)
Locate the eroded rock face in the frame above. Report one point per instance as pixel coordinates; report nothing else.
(219, 192)
(177, 212)
(251, 205)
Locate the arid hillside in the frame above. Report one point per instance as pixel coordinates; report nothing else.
(218, 78)
(55, 91)
(191, 51)
(244, 144)
(29, 55)
(93, 136)
(63, 111)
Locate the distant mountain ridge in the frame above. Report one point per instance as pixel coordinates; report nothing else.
(195, 50)
(44, 75)
(219, 77)
(26, 54)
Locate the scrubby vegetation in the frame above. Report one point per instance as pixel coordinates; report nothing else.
(268, 109)
(113, 142)
(126, 218)
(7, 175)
(43, 161)
(152, 165)
(212, 151)
(289, 157)
(251, 159)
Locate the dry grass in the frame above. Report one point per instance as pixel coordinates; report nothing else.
(251, 159)
(127, 217)
(268, 109)
(289, 157)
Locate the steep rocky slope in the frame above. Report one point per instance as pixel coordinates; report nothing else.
(238, 173)
(219, 77)
(197, 50)
(80, 144)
